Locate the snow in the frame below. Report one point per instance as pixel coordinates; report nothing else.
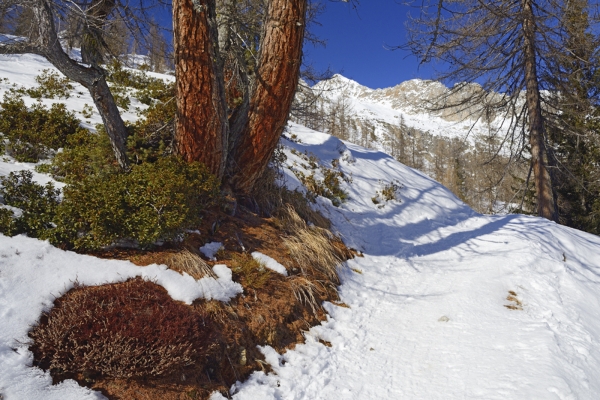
(270, 263)
(210, 249)
(427, 316)
(410, 102)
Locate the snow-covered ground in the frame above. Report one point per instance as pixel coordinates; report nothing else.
(427, 316)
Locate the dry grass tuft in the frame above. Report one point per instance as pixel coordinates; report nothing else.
(516, 303)
(305, 291)
(271, 199)
(311, 246)
(190, 263)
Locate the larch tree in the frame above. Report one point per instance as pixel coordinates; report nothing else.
(236, 144)
(506, 46)
(237, 65)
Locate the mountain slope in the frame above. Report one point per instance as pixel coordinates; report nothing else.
(415, 102)
(444, 303)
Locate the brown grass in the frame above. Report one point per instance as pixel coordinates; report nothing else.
(273, 199)
(190, 263)
(125, 330)
(305, 292)
(512, 297)
(310, 246)
(273, 309)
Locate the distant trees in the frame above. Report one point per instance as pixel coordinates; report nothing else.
(575, 127)
(509, 47)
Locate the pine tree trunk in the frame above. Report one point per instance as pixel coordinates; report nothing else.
(539, 156)
(276, 81)
(201, 131)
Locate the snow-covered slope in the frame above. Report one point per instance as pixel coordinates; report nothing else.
(427, 314)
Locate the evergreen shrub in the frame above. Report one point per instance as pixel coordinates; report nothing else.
(38, 204)
(51, 85)
(154, 202)
(85, 154)
(33, 133)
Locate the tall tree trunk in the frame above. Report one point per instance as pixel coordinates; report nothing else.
(539, 156)
(48, 45)
(276, 81)
(201, 131)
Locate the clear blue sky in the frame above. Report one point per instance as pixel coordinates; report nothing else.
(357, 40)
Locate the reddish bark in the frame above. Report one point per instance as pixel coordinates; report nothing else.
(201, 122)
(276, 81)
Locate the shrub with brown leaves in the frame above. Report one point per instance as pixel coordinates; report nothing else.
(128, 330)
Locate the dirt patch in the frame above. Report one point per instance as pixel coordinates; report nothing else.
(273, 310)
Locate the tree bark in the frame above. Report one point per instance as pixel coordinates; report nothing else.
(539, 155)
(201, 130)
(276, 81)
(47, 44)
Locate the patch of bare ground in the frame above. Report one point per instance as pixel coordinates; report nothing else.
(273, 310)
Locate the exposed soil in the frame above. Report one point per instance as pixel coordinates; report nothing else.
(271, 311)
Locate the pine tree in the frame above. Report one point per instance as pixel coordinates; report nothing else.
(575, 132)
(505, 45)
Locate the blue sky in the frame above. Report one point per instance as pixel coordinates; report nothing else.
(356, 41)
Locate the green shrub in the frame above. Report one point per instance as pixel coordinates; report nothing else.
(328, 187)
(148, 89)
(249, 271)
(38, 203)
(88, 111)
(85, 154)
(152, 135)
(155, 201)
(33, 133)
(388, 192)
(8, 225)
(51, 85)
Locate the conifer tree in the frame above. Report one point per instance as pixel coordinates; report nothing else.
(507, 46)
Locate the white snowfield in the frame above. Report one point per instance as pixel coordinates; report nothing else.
(426, 317)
